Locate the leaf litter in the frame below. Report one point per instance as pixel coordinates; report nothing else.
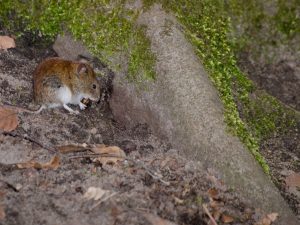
(159, 183)
(95, 193)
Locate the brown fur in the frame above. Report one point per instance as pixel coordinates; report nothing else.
(52, 73)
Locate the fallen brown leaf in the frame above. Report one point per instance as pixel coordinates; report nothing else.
(2, 213)
(212, 220)
(178, 200)
(268, 219)
(71, 148)
(227, 218)
(8, 119)
(213, 193)
(7, 42)
(216, 214)
(156, 220)
(214, 204)
(109, 154)
(94, 193)
(53, 164)
(272, 216)
(293, 180)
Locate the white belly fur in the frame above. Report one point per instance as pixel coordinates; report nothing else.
(75, 100)
(64, 95)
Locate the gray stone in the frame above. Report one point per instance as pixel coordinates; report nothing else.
(183, 106)
(68, 48)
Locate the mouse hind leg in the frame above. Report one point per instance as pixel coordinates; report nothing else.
(50, 86)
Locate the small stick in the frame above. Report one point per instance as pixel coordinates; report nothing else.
(18, 109)
(209, 215)
(25, 137)
(102, 200)
(95, 155)
(9, 185)
(150, 172)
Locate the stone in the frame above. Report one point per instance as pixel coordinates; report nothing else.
(183, 106)
(66, 47)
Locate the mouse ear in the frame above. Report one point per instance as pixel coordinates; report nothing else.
(81, 69)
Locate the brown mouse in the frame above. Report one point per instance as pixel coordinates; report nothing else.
(58, 82)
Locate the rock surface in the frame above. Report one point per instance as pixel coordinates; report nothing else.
(183, 106)
(68, 48)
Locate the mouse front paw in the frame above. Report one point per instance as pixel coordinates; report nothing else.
(82, 106)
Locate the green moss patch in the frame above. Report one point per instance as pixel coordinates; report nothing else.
(106, 28)
(264, 23)
(251, 115)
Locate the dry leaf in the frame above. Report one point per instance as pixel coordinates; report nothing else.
(178, 200)
(293, 180)
(227, 218)
(2, 194)
(7, 42)
(53, 164)
(8, 119)
(272, 216)
(213, 193)
(268, 219)
(95, 193)
(156, 220)
(109, 154)
(216, 214)
(214, 204)
(71, 148)
(2, 213)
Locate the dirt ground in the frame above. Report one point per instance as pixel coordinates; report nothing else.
(281, 150)
(154, 183)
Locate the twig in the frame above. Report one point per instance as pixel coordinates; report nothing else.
(102, 200)
(18, 109)
(95, 155)
(209, 215)
(25, 137)
(9, 185)
(7, 167)
(153, 174)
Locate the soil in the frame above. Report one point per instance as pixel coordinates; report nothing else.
(154, 182)
(280, 78)
(281, 150)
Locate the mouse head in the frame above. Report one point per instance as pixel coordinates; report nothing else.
(86, 82)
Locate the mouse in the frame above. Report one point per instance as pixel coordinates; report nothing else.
(58, 82)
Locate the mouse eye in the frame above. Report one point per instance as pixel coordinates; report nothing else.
(94, 86)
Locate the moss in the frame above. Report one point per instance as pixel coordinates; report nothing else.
(264, 23)
(208, 25)
(266, 116)
(106, 27)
